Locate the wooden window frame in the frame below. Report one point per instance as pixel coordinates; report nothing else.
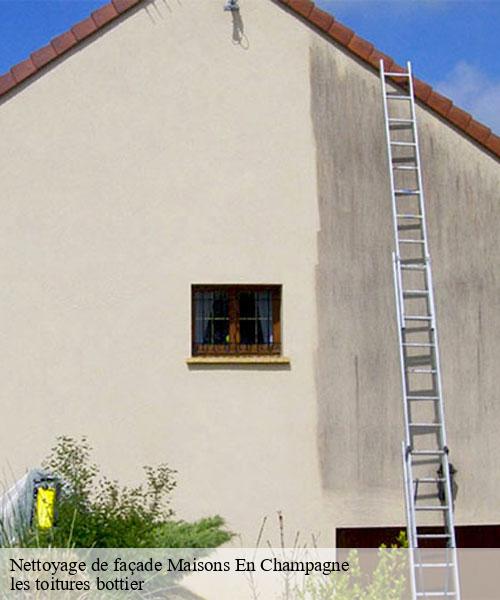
(235, 348)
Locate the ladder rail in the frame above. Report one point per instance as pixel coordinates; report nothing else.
(389, 154)
(418, 165)
(405, 259)
(399, 314)
(408, 485)
(432, 307)
(448, 491)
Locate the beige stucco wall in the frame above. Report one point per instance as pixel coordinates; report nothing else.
(164, 153)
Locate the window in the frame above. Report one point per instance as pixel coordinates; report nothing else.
(236, 319)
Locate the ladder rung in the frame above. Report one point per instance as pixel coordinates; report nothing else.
(408, 216)
(407, 192)
(422, 398)
(433, 565)
(417, 318)
(409, 227)
(433, 536)
(416, 370)
(424, 428)
(411, 241)
(398, 96)
(413, 329)
(434, 508)
(414, 261)
(419, 360)
(403, 143)
(413, 267)
(419, 344)
(398, 120)
(435, 594)
(398, 163)
(430, 480)
(427, 452)
(401, 126)
(389, 74)
(415, 293)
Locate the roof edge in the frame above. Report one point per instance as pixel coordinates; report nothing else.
(367, 53)
(64, 42)
(305, 9)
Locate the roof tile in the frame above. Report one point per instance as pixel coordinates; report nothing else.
(439, 103)
(7, 82)
(43, 56)
(493, 143)
(459, 117)
(23, 70)
(340, 33)
(321, 19)
(360, 47)
(376, 56)
(303, 7)
(478, 131)
(421, 89)
(62, 43)
(397, 69)
(104, 15)
(124, 5)
(84, 28)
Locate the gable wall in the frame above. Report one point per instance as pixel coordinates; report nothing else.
(163, 154)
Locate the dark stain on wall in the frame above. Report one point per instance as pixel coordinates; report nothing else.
(359, 418)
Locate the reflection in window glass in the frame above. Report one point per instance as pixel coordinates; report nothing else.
(211, 310)
(256, 317)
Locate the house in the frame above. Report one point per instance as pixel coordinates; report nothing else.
(196, 245)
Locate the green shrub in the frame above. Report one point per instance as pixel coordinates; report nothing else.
(205, 533)
(387, 581)
(98, 512)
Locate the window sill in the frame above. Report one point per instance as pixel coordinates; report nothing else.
(238, 360)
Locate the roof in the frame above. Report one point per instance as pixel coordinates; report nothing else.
(306, 10)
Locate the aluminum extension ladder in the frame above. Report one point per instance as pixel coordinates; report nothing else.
(427, 471)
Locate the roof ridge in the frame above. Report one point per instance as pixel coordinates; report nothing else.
(307, 10)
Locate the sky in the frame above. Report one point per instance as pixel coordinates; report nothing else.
(453, 44)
